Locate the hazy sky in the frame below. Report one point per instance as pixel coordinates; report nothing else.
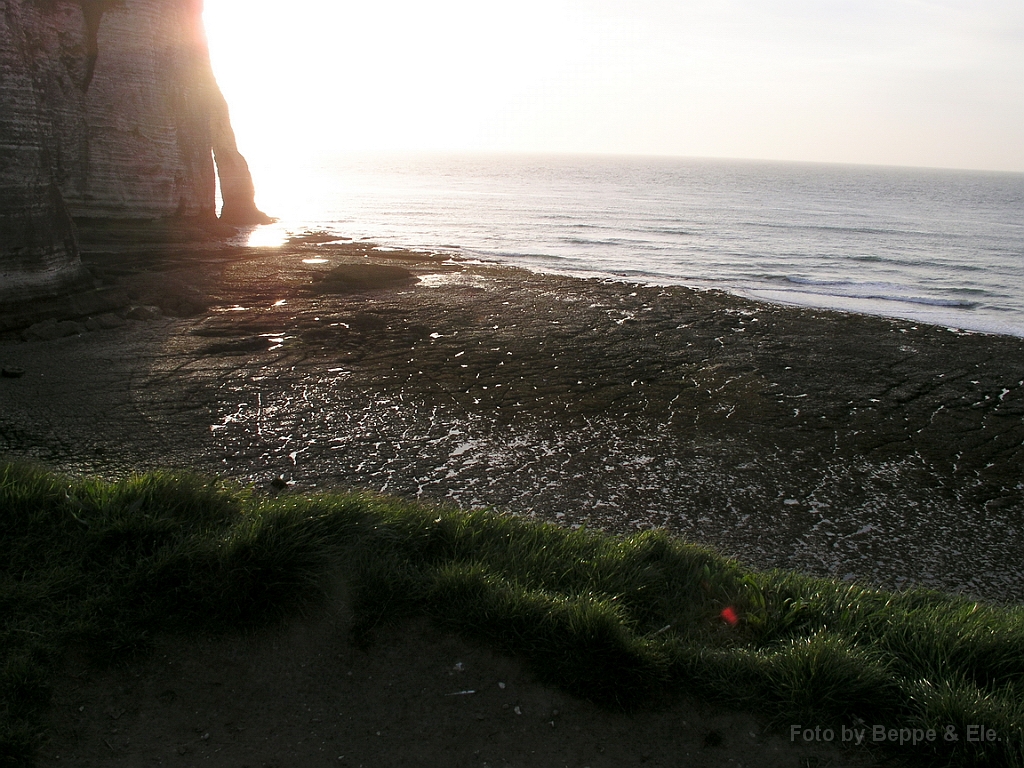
(902, 82)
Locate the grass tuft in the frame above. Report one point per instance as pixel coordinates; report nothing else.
(624, 621)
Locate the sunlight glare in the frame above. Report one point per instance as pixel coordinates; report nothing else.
(905, 83)
(267, 236)
(395, 75)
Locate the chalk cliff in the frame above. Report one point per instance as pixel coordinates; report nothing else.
(108, 109)
(40, 118)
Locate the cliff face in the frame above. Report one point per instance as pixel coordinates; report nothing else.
(109, 109)
(153, 112)
(40, 114)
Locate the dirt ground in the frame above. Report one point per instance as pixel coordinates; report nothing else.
(854, 447)
(304, 695)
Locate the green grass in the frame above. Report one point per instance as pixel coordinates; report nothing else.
(628, 622)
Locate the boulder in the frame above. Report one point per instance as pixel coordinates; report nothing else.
(361, 277)
(52, 329)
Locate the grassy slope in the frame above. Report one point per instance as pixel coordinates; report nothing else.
(623, 621)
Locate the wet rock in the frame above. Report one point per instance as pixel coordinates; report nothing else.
(314, 335)
(52, 329)
(172, 293)
(143, 313)
(361, 277)
(104, 322)
(238, 346)
(110, 320)
(531, 397)
(367, 321)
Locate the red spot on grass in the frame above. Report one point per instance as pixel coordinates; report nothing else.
(729, 616)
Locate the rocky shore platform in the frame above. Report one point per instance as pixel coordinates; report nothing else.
(840, 445)
(834, 444)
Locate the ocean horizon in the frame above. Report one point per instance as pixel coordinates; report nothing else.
(943, 247)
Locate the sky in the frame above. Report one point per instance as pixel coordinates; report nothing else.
(936, 83)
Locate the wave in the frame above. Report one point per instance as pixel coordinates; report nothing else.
(605, 241)
(850, 230)
(877, 292)
(669, 231)
(512, 257)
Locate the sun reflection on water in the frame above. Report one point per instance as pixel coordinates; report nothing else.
(267, 236)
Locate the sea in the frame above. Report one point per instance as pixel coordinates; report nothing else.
(944, 247)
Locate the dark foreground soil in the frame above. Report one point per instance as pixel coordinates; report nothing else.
(304, 696)
(855, 447)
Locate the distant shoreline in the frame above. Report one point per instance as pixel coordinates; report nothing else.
(763, 295)
(771, 297)
(926, 245)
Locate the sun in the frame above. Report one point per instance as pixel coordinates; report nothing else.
(456, 75)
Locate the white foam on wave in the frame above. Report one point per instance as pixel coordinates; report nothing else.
(947, 315)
